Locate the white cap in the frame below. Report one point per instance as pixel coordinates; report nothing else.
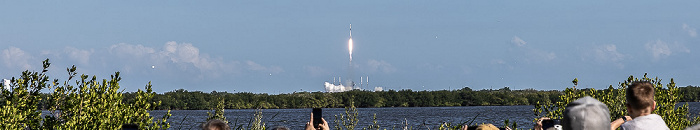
(586, 113)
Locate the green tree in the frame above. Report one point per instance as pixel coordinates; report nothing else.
(87, 104)
(666, 98)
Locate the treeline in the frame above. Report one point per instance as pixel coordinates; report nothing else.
(196, 100)
(690, 93)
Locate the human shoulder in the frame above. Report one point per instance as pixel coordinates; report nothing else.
(647, 122)
(653, 117)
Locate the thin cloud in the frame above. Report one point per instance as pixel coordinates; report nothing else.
(691, 31)
(257, 67)
(542, 55)
(432, 67)
(185, 56)
(78, 56)
(316, 71)
(182, 55)
(82, 56)
(16, 58)
(608, 54)
(532, 54)
(660, 49)
(380, 65)
(517, 41)
(131, 50)
(497, 61)
(185, 53)
(171, 57)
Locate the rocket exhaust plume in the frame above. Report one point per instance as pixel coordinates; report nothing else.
(350, 85)
(350, 43)
(350, 47)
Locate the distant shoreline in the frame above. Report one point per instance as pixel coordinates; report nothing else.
(196, 100)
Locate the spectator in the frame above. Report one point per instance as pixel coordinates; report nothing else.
(640, 105)
(586, 113)
(486, 127)
(695, 127)
(215, 124)
(322, 126)
(538, 125)
(483, 127)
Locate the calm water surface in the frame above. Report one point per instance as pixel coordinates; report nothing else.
(391, 117)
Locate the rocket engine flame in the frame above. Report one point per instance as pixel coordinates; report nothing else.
(350, 48)
(350, 43)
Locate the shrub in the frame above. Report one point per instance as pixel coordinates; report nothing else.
(666, 99)
(88, 104)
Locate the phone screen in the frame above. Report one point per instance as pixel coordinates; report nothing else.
(318, 114)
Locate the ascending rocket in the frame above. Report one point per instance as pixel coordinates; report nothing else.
(350, 43)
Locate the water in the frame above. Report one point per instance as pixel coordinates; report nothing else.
(391, 117)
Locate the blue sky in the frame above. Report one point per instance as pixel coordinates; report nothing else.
(286, 46)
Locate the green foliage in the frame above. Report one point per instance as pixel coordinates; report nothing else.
(513, 126)
(690, 93)
(666, 98)
(374, 125)
(347, 120)
(197, 100)
(20, 107)
(450, 126)
(87, 104)
(218, 112)
(257, 123)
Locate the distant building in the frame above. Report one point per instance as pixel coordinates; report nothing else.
(376, 89)
(6, 84)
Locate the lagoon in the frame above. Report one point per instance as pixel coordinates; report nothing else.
(387, 117)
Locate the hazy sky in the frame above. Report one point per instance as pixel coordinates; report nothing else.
(286, 46)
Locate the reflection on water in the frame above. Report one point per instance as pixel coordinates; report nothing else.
(388, 118)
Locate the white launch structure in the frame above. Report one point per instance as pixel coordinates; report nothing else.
(6, 84)
(364, 83)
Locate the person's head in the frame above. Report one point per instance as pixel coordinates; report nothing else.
(640, 97)
(586, 113)
(486, 127)
(215, 124)
(279, 128)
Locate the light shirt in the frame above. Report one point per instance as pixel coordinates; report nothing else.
(648, 122)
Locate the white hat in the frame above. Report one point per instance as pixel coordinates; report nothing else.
(586, 113)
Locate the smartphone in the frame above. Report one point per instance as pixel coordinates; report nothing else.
(318, 114)
(550, 124)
